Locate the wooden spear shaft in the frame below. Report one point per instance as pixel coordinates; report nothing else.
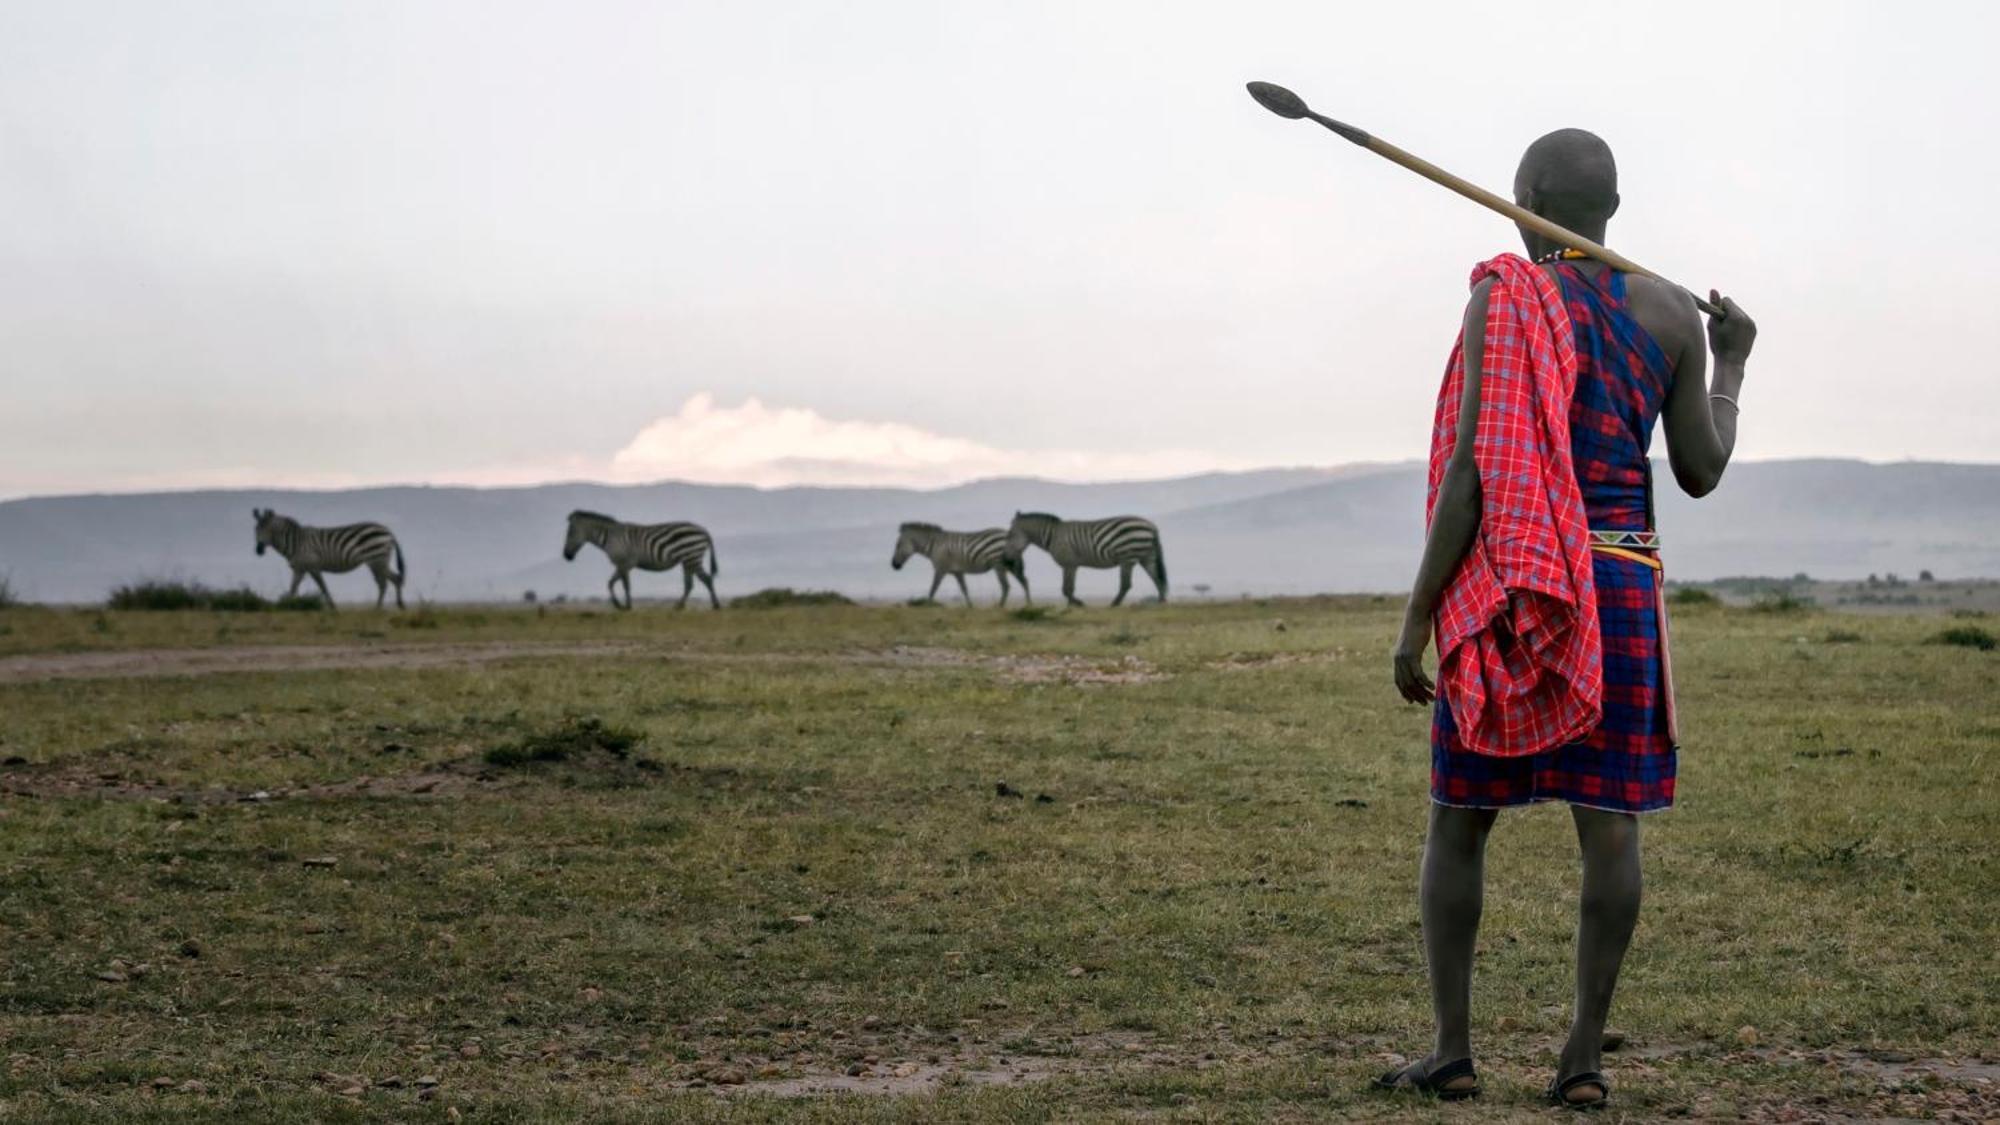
(1284, 103)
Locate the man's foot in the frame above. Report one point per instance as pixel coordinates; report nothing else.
(1587, 1090)
(1451, 1081)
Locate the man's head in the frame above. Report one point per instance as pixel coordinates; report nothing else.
(1568, 177)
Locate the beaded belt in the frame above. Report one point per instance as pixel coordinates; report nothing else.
(1641, 547)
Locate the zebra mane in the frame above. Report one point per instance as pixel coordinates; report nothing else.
(919, 525)
(1051, 517)
(586, 514)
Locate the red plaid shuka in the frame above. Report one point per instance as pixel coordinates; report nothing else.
(1520, 657)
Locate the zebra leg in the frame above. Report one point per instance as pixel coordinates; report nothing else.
(937, 579)
(612, 586)
(1069, 586)
(1124, 583)
(706, 580)
(1157, 571)
(1001, 570)
(1021, 572)
(298, 576)
(628, 589)
(381, 572)
(962, 591)
(320, 580)
(687, 584)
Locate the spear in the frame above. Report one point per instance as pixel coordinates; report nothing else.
(1284, 103)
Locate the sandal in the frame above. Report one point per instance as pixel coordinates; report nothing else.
(1558, 1092)
(1435, 1082)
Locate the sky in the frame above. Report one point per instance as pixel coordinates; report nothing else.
(345, 242)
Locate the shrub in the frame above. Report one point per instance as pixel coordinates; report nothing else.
(9, 599)
(1782, 601)
(1692, 596)
(241, 600)
(1032, 613)
(1966, 636)
(778, 596)
(159, 595)
(574, 737)
(299, 603)
(1843, 637)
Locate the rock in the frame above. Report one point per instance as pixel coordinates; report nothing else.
(470, 1051)
(162, 1083)
(1507, 1023)
(390, 1083)
(1002, 789)
(856, 1070)
(112, 976)
(1613, 1040)
(1076, 970)
(1747, 1035)
(428, 1080)
(190, 948)
(1280, 626)
(800, 921)
(905, 1070)
(320, 861)
(354, 1091)
(194, 1086)
(728, 1076)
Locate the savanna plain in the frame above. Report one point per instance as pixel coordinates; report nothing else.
(909, 863)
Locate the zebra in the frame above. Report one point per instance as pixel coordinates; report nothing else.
(322, 550)
(1120, 541)
(959, 553)
(655, 546)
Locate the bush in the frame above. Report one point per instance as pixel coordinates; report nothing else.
(8, 598)
(1032, 613)
(1966, 636)
(575, 737)
(1782, 601)
(779, 596)
(158, 595)
(1691, 596)
(1843, 637)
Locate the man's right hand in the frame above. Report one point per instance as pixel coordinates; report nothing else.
(1730, 336)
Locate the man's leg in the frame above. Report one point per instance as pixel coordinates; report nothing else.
(1452, 896)
(1610, 908)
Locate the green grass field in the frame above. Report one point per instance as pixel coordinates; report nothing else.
(517, 866)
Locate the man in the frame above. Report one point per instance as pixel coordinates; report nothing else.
(1552, 658)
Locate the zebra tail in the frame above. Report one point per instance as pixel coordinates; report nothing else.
(714, 560)
(401, 570)
(1161, 558)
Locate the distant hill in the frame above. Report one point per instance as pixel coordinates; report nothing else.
(1266, 532)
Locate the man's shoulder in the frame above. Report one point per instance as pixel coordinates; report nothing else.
(1663, 309)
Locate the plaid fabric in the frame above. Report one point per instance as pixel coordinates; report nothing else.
(1627, 762)
(1518, 645)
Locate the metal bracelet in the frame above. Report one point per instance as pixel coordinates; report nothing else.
(1730, 401)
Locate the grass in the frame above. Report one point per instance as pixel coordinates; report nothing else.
(1211, 917)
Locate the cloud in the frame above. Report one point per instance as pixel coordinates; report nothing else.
(774, 446)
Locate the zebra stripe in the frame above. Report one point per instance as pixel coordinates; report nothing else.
(1119, 541)
(653, 546)
(959, 553)
(318, 551)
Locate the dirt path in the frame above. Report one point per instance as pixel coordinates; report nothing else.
(163, 662)
(149, 663)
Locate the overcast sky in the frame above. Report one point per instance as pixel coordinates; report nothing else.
(347, 242)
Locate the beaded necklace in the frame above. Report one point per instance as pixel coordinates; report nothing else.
(1564, 255)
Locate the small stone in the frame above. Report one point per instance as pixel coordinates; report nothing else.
(353, 1091)
(390, 1083)
(1747, 1035)
(727, 1076)
(1279, 627)
(162, 1083)
(194, 1086)
(320, 861)
(112, 976)
(1613, 1040)
(905, 1070)
(801, 921)
(428, 1093)
(856, 1070)
(1507, 1023)
(1075, 971)
(428, 1080)
(470, 1051)
(190, 948)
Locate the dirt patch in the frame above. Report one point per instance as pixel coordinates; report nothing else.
(967, 1065)
(1256, 661)
(1078, 670)
(149, 663)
